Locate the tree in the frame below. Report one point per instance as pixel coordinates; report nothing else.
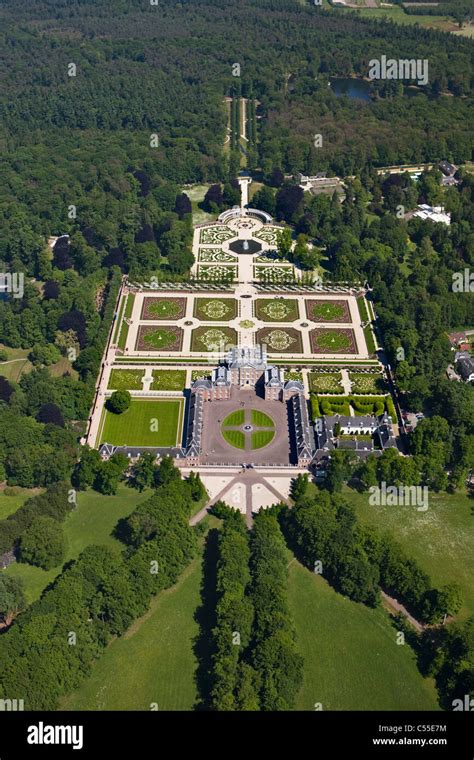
(213, 199)
(119, 402)
(109, 473)
(50, 414)
(143, 472)
(6, 390)
(43, 543)
(45, 354)
(166, 472)
(183, 205)
(87, 468)
(51, 290)
(289, 200)
(12, 598)
(284, 243)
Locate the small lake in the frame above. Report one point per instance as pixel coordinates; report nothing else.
(355, 89)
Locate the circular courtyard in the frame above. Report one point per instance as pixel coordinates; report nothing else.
(248, 429)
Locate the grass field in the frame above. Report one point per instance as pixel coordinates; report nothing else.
(126, 379)
(352, 661)
(127, 314)
(261, 419)
(9, 504)
(397, 14)
(366, 383)
(147, 422)
(234, 437)
(168, 380)
(261, 438)
(234, 418)
(91, 523)
(440, 539)
(17, 363)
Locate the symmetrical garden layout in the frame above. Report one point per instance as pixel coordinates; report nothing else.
(163, 340)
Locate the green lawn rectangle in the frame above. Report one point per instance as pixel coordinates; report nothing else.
(235, 437)
(261, 419)
(351, 657)
(126, 379)
(261, 438)
(136, 426)
(234, 418)
(168, 380)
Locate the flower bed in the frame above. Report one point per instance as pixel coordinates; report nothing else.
(163, 308)
(328, 310)
(281, 340)
(159, 338)
(276, 310)
(215, 309)
(326, 340)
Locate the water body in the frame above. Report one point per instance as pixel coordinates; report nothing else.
(355, 89)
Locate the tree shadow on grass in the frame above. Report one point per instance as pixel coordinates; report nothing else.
(205, 616)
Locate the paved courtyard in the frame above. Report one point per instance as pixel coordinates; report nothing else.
(217, 451)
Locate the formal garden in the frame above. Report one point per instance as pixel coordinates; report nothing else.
(281, 340)
(217, 272)
(213, 256)
(276, 310)
(168, 380)
(163, 308)
(325, 382)
(268, 234)
(126, 379)
(159, 338)
(332, 341)
(212, 338)
(274, 274)
(372, 382)
(328, 310)
(215, 309)
(147, 422)
(359, 405)
(215, 234)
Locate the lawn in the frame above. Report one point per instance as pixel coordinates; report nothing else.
(352, 661)
(147, 422)
(127, 314)
(261, 438)
(163, 308)
(328, 311)
(261, 419)
(234, 418)
(272, 310)
(168, 380)
(9, 504)
(440, 539)
(91, 523)
(333, 341)
(151, 338)
(154, 661)
(234, 437)
(215, 309)
(126, 379)
(17, 363)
